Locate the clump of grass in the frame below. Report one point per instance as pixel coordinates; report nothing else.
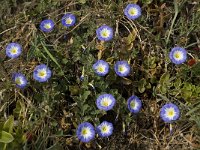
(133, 40)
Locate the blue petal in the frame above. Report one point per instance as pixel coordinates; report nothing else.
(103, 63)
(124, 63)
(98, 102)
(182, 50)
(79, 134)
(44, 22)
(138, 101)
(72, 16)
(98, 32)
(39, 67)
(98, 128)
(8, 48)
(23, 78)
(132, 6)
(164, 117)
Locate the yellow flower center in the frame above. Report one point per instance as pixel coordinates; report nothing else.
(17, 81)
(178, 55)
(14, 50)
(84, 131)
(101, 69)
(121, 68)
(105, 103)
(105, 33)
(104, 129)
(132, 104)
(42, 73)
(170, 113)
(132, 11)
(47, 26)
(68, 21)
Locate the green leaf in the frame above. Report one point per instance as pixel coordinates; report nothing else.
(148, 86)
(50, 55)
(141, 89)
(164, 78)
(131, 37)
(74, 90)
(177, 83)
(85, 95)
(82, 1)
(6, 137)
(8, 125)
(141, 85)
(85, 107)
(192, 111)
(87, 118)
(163, 89)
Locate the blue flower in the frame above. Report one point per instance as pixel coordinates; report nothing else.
(178, 55)
(47, 25)
(68, 20)
(122, 68)
(85, 132)
(105, 129)
(20, 80)
(13, 50)
(104, 33)
(105, 102)
(134, 104)
(41, 73)
(101, 67)
(132, 11)
(169, 112)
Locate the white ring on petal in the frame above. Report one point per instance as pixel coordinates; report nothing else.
(133, 11)
(105, 102)
(86, 132)
(105, 33)
(170, 113)
(42, 73)
(47, 26)
(178, 55)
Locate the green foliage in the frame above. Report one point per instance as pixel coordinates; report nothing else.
(6, 137)
(46, 115)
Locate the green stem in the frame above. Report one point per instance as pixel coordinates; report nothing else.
(173, 21)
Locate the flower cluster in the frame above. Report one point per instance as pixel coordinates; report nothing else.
(122, 68)
(41, 73)
(67, 20)
(86, 131)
